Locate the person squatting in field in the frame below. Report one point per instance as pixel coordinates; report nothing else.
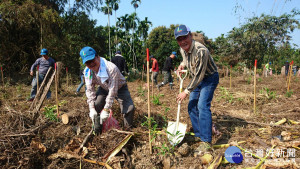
(204, 80)
(112, 85)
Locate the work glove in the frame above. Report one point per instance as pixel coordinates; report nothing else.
(104, 115)
(93, 113)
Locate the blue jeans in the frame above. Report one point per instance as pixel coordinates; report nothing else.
(199, 107)
(81, 84)
(34, 86)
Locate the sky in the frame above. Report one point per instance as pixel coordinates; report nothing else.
(214, 17)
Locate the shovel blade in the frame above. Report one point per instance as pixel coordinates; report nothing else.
(176, 136)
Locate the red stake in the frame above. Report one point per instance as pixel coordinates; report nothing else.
(148, 84)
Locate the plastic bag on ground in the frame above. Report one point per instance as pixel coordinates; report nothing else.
(110, 123)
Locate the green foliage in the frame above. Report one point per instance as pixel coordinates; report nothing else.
(165, 149)
(151, 125)
(265, 38)
(141, 91)
(19, 89)
(259, 79)
(161, 43)
(249, 80)
(225, 94)
(155, 99)
(268, 93)
(49, 113)
(289, 93)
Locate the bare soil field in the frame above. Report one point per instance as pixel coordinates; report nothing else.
(46, 142)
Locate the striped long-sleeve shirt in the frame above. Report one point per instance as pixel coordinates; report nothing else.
(199, 63)
(112, 84)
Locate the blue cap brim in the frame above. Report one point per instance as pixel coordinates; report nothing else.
(181, 35)
(43, 54)
(90, 57)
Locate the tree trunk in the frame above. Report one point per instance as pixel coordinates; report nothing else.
(70, 117)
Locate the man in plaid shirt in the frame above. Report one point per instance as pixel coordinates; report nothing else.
(112, 85)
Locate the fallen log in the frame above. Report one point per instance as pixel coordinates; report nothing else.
(70, 117)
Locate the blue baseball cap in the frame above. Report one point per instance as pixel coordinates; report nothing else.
(181, 30)
(87, 53)
(151, 57)
(44, 52)
(174, 53)
(118, 52)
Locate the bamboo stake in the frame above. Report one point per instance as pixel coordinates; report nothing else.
(152, 84)
(264, 159)
(226, 145)
(254, 103)
(230, 75)
(2, 76)
(56, 89)
(37, 78)
(148, 84)
(99, 163)
(143, 73)
(67, 77)
(290, 75)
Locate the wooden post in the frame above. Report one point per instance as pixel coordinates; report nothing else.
(143, 73)
(56, 89)
(230, 75)
(254, 103)
(149, 116)
(290, 75)
(37, 78)
(2, 76)
(67, 77)
(152, 83)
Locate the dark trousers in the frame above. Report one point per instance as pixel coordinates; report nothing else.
(124, 99)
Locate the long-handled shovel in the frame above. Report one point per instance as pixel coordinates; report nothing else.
(176, 130)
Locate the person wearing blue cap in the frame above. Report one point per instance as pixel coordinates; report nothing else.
(112, 85)
(168, 67)
(120, 62)
(204, 80)
(44, 62)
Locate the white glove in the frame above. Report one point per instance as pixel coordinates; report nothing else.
(150, 70)
(93, 113)
(103, 116)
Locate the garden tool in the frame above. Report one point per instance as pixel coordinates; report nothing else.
(176, 130)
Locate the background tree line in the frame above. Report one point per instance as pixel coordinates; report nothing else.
(26, 26)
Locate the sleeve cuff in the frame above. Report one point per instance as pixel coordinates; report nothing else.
(91, 106)
(186, 92)
(107, 107)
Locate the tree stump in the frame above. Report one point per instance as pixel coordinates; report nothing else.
(60, 67)
(70, 117)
